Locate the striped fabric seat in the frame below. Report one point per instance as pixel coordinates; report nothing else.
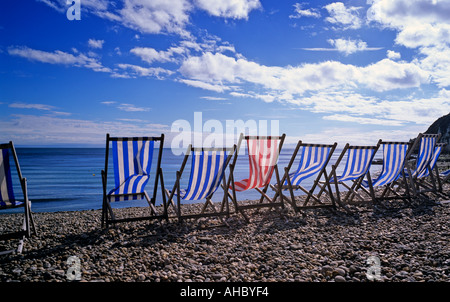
(312, 161)
(433, 161)
(358, 163)
(262, 155)
(394, 156)
(427, 157)
(207, 171)
(7, 198)
(132, 161)
(426, 151)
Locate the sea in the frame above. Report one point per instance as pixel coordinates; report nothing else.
(69, 179)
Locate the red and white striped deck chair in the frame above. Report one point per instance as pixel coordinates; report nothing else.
(263, 152)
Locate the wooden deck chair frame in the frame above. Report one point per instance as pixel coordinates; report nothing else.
(176, 191)
(108, 216)
(391, 173)
(422, 164)
(28, 227)
(231, 184)
(357, 180)
(287, 184)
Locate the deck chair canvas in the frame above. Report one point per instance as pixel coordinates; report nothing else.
(314, 159)
(208, 167)
(394, 160)
(359, 160)
(263, 152)
(132, 161)
(8, 198)
(425, 154)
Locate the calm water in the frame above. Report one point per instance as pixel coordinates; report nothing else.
(69, 179)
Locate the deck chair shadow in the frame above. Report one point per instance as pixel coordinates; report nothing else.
(263, 152)
(132, 162)
(358, 162)
(394, 160)
(8, 198)
(422, 168)
(313, 162)
(208, 167)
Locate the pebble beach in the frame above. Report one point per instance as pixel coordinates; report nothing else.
(410, 241)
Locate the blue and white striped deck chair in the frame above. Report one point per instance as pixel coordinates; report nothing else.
(359, 160)
(208, 167)
(394, 160)
(313, 161)
(132, 162)
(429, 178)
(8, 198)
(425, 154)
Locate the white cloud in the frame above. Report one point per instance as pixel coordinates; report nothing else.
(213, 98)
(403, 13)
(234, 9)
(96, 43)
(424, 34)
(301, 12)
(387, 75)
(423, 25)
(346, 17)
(350, 46)
(326, 87)
(393, 55)
(160, 16)
(32, 106)
(204, 85)
(157, 72)
(362, 120)
(381, 76)
(58, 57)
(51, 109)
(150, 55)
(132, 108)
(156, 16)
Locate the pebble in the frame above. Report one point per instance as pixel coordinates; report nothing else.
(411, 243)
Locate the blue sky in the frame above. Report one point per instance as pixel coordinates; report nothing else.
(326, 71)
